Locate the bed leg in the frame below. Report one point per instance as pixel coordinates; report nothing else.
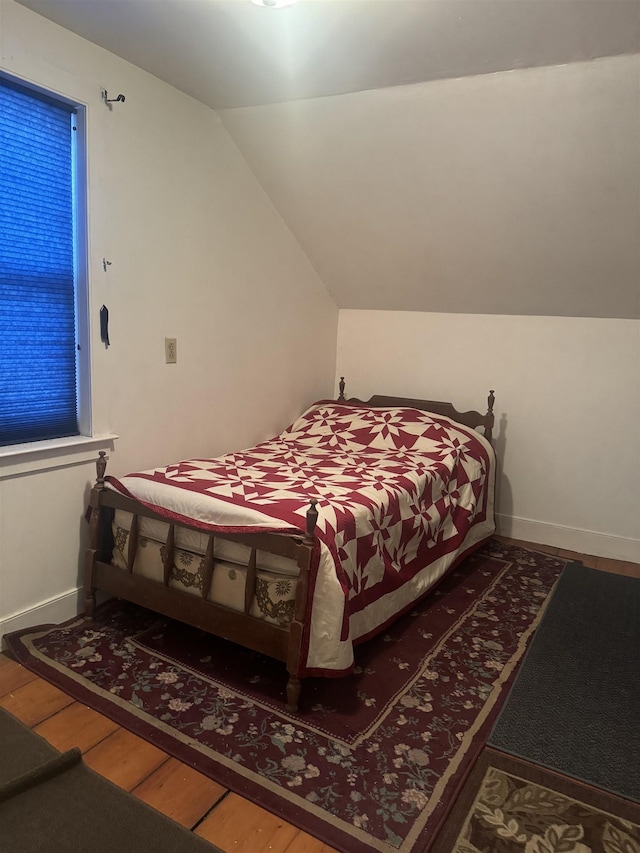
(89, 588)
(95, 539)
(89, 604)
(294, 686)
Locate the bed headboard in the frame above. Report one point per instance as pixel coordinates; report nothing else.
(471, 419)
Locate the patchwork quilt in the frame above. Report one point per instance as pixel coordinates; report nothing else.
(400, 495)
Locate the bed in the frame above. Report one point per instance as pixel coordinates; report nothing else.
(308, 543)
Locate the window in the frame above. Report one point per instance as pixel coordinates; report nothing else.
(44, 363)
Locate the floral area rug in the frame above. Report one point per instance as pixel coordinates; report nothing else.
(511, 806)
(373, 761)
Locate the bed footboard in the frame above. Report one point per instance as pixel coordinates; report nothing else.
(282, 642)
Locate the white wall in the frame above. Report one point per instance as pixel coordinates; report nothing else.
(567, 410)
(198, 253)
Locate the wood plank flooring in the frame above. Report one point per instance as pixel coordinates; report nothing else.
(233, 823)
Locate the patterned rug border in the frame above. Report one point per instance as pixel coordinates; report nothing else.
(391, 705)
(338, 833)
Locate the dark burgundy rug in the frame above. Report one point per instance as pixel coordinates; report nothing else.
(373, 761)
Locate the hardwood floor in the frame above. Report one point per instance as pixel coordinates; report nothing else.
(228, 820)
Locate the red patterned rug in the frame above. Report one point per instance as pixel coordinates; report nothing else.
(374, 761)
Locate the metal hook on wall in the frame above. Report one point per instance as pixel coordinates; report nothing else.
(108, 101)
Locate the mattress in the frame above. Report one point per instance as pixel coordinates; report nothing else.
(276, 577)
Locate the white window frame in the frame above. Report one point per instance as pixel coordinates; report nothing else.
(16, 459)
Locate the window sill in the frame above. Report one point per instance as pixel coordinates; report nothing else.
(17, 459)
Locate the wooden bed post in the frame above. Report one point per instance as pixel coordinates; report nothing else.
(490, 418)
(294, 688)
(101, 467)
(312, 519)
(341, 388)
(296, 629)
(94, 536)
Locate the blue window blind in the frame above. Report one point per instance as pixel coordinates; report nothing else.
(38, 396)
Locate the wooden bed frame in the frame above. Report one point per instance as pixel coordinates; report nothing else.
(240, 627)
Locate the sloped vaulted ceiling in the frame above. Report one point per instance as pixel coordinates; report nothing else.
(508, 193)
(429, 155)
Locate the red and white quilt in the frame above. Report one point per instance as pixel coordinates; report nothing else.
(401, 494)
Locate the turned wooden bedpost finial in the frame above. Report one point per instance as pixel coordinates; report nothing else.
(312, 518)
(341, 388)
(488, 431)
(101, 467)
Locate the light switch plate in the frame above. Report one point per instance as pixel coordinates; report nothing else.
(170, 350)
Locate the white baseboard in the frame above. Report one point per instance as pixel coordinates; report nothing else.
(569, 538)
(54, 611)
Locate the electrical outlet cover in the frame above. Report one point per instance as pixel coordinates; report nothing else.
(170, 350)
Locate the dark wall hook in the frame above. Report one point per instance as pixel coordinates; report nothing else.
(119, 100)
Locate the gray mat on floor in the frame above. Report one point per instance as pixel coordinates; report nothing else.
(575, 704)
(52, 803)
